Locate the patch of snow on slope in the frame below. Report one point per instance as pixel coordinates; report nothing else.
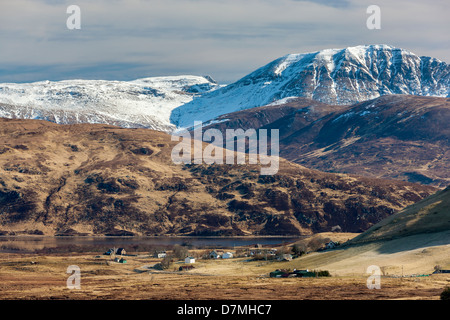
(282, 101)
(147, 102)
(286, 62)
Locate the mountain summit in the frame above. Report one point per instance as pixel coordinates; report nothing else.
(332, 76)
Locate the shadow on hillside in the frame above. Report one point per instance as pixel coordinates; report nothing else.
(424, 224)
(415, 242)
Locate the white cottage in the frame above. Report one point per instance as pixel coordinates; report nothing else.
(161, 255)
(227, 255)
(189, 260)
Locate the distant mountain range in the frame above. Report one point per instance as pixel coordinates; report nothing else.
(371, 110)
(333, 76)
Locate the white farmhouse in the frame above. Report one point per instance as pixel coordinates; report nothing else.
(227, 255)
(189, 260)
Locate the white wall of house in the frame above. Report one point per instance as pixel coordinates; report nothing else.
(227, 255)
(189, 260)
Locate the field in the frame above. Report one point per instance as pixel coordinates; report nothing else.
(31, 276)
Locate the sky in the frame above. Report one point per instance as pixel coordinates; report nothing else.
(225, 39)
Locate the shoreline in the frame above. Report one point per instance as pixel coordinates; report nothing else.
(150, 237)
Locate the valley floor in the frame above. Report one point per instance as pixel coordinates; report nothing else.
(25, 276)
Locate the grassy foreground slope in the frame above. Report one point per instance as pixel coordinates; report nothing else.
(430, 215)
(412, 241)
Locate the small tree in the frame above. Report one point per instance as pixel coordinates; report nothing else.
(241, 252)
(204, 254)
(166, 262)
(323, 273)
(299, 249)
(180, 252)
(285, 249)
(317, 243)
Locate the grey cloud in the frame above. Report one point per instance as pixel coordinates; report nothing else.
(330, 3)
(225, 39)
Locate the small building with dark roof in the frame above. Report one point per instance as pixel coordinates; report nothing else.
(121, 251)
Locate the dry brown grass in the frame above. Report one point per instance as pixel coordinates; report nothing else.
(211, 279)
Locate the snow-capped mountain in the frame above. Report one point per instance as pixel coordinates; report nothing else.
(333, 76)
(141, 103)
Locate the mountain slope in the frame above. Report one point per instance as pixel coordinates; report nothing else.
(97, 179)
(400, 137)
(141, 103)
(410, 242)
(304, 110)
(396, 136)
(427, 216)
(334, 76)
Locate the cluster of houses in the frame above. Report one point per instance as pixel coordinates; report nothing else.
(212, 255)
(269, 252)
(163, 254)
(215, 254)
(118, 254)
(220, 255)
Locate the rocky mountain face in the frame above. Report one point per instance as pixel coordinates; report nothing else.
(106, 180)
(395, 136)
(334, 76)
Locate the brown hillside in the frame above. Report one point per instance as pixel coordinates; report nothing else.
(392, 137)
(99, 179)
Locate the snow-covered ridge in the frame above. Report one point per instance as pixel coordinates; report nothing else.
(146, 102)
(333, 76)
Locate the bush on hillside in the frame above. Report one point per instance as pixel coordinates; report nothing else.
(445, 295)
(323, 273)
